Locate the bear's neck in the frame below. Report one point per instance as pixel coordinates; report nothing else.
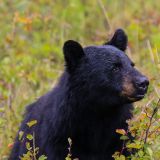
(83, 104)
(84, 117)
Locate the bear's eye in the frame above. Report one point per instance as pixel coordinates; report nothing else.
(116, 67)
(132, 64)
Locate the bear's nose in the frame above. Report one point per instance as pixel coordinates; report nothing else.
(142, 83)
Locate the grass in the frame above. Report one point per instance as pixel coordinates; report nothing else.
(32, 34)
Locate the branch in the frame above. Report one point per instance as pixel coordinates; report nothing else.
(150, 120)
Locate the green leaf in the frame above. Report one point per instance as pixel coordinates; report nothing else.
(28, 146)
(68, 158)
(140, 153)
(21, 133)
(42, 157)
(29, 137)
(124, 138)
(150, 152)
(134, 145)
(122, 157)
(32, 123)
(70, 141)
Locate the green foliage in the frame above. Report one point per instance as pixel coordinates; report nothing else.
(31, 39)
(32, 149)
(31, 123)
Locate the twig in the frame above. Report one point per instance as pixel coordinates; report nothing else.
(155, 131)
(105, 13)
(150, 120)
(123, 147)
(150, 51)
(34, 147)
(147, 114)
(10, 96)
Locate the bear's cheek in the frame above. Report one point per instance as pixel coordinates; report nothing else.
(128, 89)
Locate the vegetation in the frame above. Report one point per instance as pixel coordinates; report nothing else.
(31, 38)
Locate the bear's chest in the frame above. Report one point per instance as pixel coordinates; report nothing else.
(97, 137)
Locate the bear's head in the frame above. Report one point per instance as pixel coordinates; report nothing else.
(104, 74)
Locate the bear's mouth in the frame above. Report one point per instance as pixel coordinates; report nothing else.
(136, 97)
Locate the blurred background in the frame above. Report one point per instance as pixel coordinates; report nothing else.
(32, 34)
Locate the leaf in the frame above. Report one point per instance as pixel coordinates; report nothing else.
(27, 156)
(70, 141)
(28, 146)
(140, 153)
(124, 138)
(29, 136)
(31, 123)
(42, 157)
(20, 135)
(36, 150)
(10, 145)
(134, 145)
(117, 156)
(68, 158)
(121, 131)
(122, 157)
(150, 152)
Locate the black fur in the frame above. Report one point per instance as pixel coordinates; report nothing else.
(86, 105)
(119, 40)
(73, 52)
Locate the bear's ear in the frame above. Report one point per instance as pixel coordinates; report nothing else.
(73, 52)
(119, 40)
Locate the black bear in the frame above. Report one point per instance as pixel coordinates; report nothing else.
(93, 98)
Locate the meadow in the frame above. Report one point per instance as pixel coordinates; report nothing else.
(32, 34)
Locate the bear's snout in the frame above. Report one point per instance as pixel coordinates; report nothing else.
(136, 89)
(142, 84)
